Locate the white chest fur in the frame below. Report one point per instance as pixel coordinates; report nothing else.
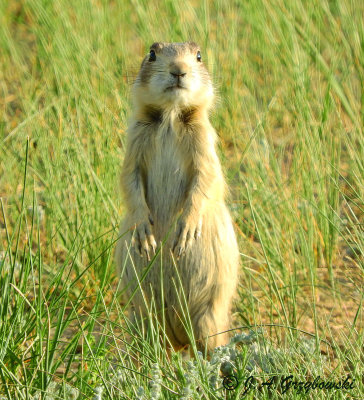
(166, 178)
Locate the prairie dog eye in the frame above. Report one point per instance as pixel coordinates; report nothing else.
(152, 56)
(198, 56)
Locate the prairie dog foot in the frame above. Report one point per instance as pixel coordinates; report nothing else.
(143, 238)
(188, 230)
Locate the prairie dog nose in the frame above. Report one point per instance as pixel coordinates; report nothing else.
(178, 69)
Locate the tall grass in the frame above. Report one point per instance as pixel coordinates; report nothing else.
(290, 116)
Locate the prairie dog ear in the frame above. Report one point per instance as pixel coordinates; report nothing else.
(157, 46)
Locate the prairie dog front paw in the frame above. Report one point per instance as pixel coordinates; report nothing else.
(143, 238)
(187, 231)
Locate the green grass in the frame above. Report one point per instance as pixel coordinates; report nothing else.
(290, 117)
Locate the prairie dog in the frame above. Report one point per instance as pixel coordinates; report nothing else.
(174, 192)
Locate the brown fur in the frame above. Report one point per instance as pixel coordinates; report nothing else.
(174, 192)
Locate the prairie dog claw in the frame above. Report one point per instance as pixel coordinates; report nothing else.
(186, 233)
(143, 238)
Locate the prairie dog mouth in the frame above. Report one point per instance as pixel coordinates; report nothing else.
(176, 87)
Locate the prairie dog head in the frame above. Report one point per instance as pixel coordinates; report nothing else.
(173, 75)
